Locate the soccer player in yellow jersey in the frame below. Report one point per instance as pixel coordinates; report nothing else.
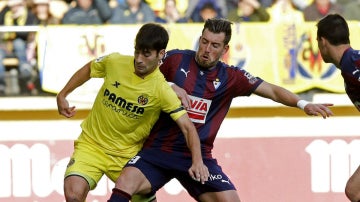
(126, 107)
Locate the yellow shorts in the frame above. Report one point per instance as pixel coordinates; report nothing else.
(91, 163)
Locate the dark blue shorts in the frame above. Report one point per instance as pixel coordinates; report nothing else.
(160, 167)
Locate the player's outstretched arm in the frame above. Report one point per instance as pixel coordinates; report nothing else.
(198, 171)
(79, 78)
(285, 97)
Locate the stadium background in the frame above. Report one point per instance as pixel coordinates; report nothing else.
(272, 153)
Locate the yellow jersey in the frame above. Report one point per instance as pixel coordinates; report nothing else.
(126, 106)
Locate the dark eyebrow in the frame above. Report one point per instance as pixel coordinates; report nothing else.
(211, 42)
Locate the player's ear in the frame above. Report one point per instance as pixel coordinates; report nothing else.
(162, 53)
(226, 49)
(323, 42)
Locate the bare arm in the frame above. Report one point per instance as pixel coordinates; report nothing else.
(285, 97)
(197, 170)
(79, 78)
(182, 95)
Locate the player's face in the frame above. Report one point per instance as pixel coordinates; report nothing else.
(323, 49)
(146, 61)
(211, 48)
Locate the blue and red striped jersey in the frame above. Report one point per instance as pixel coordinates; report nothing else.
(211, 92)
(350, 71)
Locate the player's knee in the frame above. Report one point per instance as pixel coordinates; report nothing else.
(74, 197)
(351, 192)
(122, 183)
(75, 193)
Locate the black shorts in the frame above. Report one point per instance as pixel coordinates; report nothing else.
(160, 167)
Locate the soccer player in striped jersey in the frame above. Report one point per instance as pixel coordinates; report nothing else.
(333, 38)
(125, 109)
(211, 86)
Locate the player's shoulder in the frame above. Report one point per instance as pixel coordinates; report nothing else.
(228, 67)
(355, 54)
(179, 52)
(114, 56)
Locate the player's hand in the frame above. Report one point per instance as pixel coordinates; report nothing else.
(199, 172)
(316, 109)
(63, 107)
(182, 95)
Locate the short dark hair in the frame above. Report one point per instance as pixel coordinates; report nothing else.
(334, 28)
(218, 25)
(151, 36)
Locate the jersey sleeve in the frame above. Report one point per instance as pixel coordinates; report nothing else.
(98, 66)
(246, 83)
(170, 102)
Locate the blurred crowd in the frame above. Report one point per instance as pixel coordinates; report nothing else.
(21, 77)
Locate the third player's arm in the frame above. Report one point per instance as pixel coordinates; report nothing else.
(285, 97)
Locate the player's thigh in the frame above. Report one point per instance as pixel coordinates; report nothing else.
(132, 180)
(223, 196)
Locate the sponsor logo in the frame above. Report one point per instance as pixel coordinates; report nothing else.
(250, 77)
(226, 181)
(116, 84)
(126, 108)
(29, 172)
(99, 59)
(218, 177)
(215, 177)
(185, 72)
(332, 164)
(199, 108)
(134, 159)
(32, 171)
(71, 162)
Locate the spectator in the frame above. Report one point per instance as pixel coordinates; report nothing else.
(171, 14)
(15, 44)
(58, 8)
(193, 11)
(158, 6)
(87, 12)
(207, 11)
(41, 9)
(248, 11)
(132, 12)
(284, 11)
(320, 8)
(233, 4)
(351, 10)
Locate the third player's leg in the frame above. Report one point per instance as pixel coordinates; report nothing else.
(352, 189)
